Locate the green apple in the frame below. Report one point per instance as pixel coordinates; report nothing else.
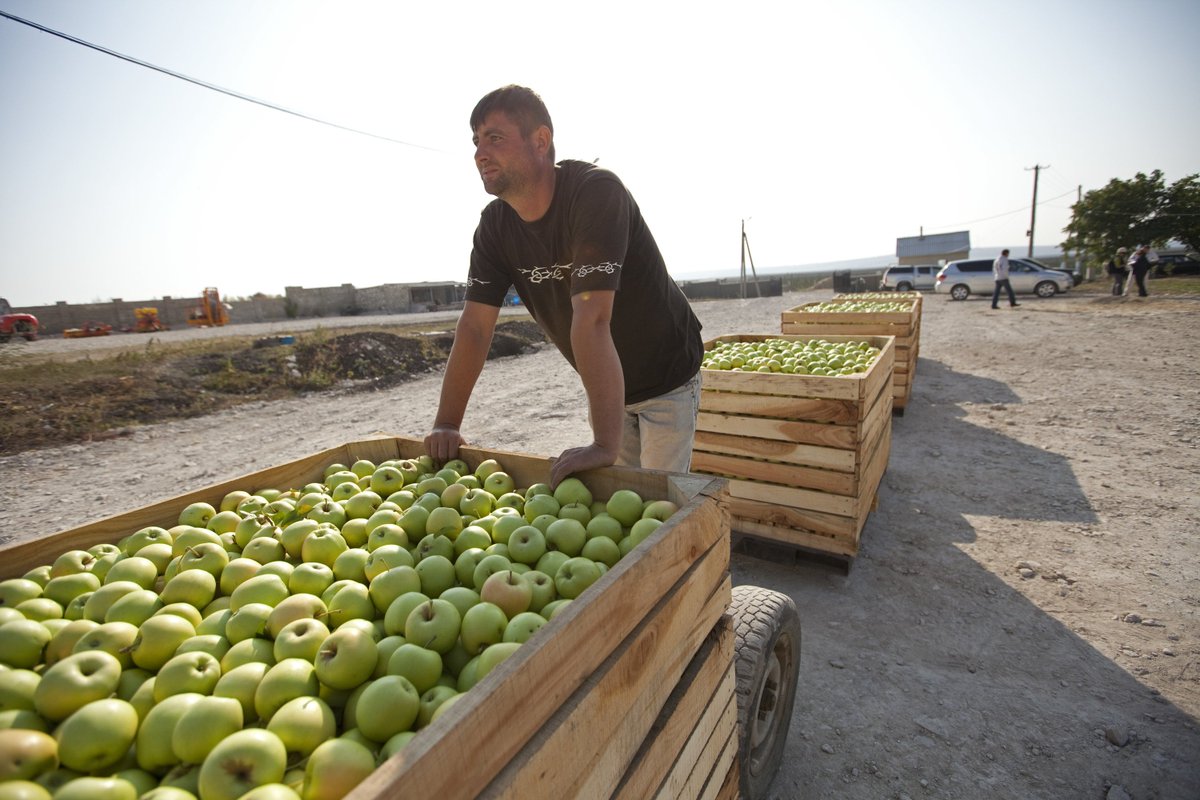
(328, 511)
(213, 644)
(386, 534)
(352, 601)
(248, 622)
(551, 562)
(540, 504)
(40, 609)
(335, 768)
(397, 613)
(137, 569)
(323, 545)
(504, 525)
(463, 597)
(115, 638)
(387, 586)
(240, 762)
(572, 490)
(397, 743)
(18, 590)
(362, 504)
(272, 791)
(98, 602)
(482, 625)
(542, 589)
(26, 754)
(300, 638)
(71, 562)
(625, 505)
(551, 609)
(134, 608)
(151, 534)
(386, 557)
(186, 536)
(387, 706)
(576, 575)
(351, 565)
(75, 681)
(642, 529)
(290, 609)
(266, 589)
(87, 787)
(413, 522)
(492, 657)
(197, 514)
(602, 549)
(488, 566)
(420, 665)
(464, 566)
(436, 573)
(498, 483)
(434, 624)
(203, 724)
(659, 509)
(512, 500)
(527, 544)
(187, 611)
(452, 496)
(347, 658)
(605, 525)
(523, 626)
(386, 479)
(17, 688)
(476, 502)
(302, 723)
(247, 651)
(97, 735)
(196, 672)
(65, 588)
(196, 587)
(264, 549)
(434, 544)
(241, 683)
(237, 572)
(430, 701)
(157, 640)
(288, 679)
(576, 511)
(471, 537)
(509, 590)
(565, 535)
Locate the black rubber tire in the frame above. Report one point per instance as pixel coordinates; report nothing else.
(960, 292)
(767, 665)
(904, 286)
(1046, 289)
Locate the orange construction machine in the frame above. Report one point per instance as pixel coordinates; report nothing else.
(146, 320)
(211, 312)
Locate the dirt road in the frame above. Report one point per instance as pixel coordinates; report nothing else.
(1021, 621)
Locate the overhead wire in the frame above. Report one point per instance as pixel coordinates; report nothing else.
(211, 86)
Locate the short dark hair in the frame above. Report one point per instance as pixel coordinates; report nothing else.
(523, 105)
(1003, 252)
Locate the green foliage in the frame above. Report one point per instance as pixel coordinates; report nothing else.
(1143, 210)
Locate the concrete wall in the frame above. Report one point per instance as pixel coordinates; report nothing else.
(332, 301)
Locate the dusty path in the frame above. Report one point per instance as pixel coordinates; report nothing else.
(1021, 622)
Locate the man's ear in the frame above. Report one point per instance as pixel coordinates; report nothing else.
(542, 139)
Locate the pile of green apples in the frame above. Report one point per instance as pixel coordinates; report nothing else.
(880, 295)
(286, 643)
(792, 356)
(860, 306)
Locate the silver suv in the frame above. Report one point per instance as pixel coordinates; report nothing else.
(960, 278)
(908, 279)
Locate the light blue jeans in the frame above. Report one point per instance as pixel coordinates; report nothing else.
(658, 432)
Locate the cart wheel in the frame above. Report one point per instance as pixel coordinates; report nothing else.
(767, 663)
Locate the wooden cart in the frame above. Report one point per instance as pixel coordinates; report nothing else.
(804, 454)
(666, 682)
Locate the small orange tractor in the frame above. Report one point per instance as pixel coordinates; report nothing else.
(211, 312)
(146, 320)
(16, 324)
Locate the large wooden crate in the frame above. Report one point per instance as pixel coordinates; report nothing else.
(626, 693)
(804, 453)
(905, 326)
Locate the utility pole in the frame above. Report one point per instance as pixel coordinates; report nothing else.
(1033, 211)
(746, 252)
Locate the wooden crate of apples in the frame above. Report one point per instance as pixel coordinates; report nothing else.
(362, 623)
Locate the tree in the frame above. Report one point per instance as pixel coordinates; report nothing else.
(1139, 211)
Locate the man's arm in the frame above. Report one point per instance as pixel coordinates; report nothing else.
(599, 368)
(472, 339)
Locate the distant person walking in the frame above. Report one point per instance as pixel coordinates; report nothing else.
(1000, 273)
(1139, 265)
(1118, 271)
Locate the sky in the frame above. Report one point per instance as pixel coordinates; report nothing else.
(828, 129)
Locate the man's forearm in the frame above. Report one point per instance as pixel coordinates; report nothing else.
(472, 338)
(600, 371)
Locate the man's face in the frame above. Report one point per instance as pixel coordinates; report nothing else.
(506, 160)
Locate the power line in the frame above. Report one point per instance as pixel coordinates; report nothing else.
(211, 86)
(997, 216)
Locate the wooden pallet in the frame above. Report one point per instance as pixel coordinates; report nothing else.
(905, 326)
(804, 454)
(627, 692)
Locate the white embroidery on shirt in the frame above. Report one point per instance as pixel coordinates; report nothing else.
(472, 281)
(608, 267)
(539, 274)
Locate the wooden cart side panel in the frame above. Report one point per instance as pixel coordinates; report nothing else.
(771, 405)
(700, 769)
(683, 716)
(606, 723)
(578, 640)
(804, 455)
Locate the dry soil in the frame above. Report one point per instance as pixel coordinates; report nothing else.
(1021, 619)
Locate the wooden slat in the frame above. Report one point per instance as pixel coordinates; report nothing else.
(797, 538)
(823, 480)
(701, 772)
(772, 405)
(683, 717)
(775, 450)
(837, 436)
(498, 716)
(831, 525)
(604, 724)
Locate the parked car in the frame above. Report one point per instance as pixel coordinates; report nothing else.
(1176, 264)
(908, 279)
(960, 279)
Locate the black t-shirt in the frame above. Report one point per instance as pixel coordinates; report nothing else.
(593, 237)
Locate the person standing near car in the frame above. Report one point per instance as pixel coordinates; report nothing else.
(1139, 265)
(1118, 271)
(1000, 274)
(573, 242)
